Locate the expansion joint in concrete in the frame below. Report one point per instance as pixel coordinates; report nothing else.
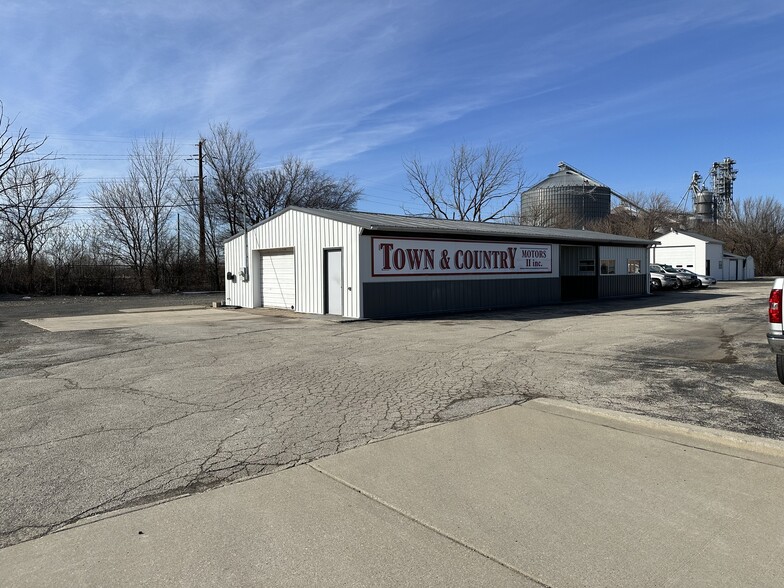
(428, 526)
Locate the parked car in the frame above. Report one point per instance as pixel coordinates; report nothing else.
(705, 281)
(687, 278)
(776, 326)
(662, 281)
(683, 279)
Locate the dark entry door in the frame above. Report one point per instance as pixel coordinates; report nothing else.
(579, 277)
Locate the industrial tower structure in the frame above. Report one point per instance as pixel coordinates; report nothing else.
(713, 204)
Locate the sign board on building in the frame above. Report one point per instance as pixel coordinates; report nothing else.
(430, 257)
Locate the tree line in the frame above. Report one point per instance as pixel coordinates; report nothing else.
(141, 232)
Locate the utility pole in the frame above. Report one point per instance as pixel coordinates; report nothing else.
(202, 229)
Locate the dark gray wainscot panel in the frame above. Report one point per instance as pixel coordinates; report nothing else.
(398, 299)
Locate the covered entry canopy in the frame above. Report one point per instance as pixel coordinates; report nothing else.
(366, 265)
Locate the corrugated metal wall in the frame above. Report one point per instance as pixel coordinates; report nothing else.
(308, 235)
(394, 299)
(623, 282)
(238, 293)
(571, 204)
(622, 256)
(577, 283)
(571, 256)
(629, 285)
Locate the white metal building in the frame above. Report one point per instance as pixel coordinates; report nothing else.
(366, 265)
(737, 267)
(702, 255)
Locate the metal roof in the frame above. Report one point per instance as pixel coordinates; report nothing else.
(695, 236)
(377, 222)
(567, 176)
(571, 177)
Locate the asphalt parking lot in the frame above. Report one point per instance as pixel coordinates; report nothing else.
(146, 405)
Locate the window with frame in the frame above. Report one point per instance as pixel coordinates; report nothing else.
(587, 265)
(633, 266)
(607, 266)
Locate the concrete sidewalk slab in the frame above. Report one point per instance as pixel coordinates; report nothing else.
(294, 528)
(162, 308)
(544, 493)
(576, 503)
(135, 319)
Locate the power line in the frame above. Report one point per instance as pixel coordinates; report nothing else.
(182, 204)
(108, 158)
(97, 138)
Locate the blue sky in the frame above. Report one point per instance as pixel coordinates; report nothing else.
(637, 94)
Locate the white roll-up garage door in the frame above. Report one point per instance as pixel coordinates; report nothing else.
(679, 256)
(277, 279)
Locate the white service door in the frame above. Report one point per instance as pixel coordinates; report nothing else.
(334, 282)
(277, 280)
(733, 269)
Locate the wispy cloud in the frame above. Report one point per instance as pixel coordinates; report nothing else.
(340, 80)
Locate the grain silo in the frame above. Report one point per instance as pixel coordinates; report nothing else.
(567, 198)
(704, 201)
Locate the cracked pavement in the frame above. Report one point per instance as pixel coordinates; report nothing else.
(182, 401)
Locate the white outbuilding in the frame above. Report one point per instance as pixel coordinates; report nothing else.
(702, 255)
(369, 265)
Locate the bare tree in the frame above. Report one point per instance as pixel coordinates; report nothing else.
(230, 157)
(154, 169)
(215, 231)
(542, 213)
(267, 192)
(8, 255)
(121, 213)
(35, 201)
(475, 185)
(16, 148)
(135, 213)
(648, 214)
(69, 248)
(298, 183)
(757, 229)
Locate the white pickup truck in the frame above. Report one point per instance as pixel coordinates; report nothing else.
(776, 326)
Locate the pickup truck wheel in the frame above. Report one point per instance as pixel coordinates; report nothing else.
(780, 367)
